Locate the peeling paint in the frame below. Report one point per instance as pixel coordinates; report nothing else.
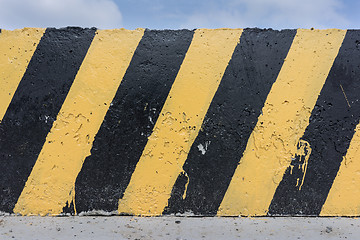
(88, 125)
(301, 160)
(281, 125)
(180, 119)
(70, 139)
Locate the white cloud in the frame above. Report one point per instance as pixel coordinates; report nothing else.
(276, 14)
(102, 14)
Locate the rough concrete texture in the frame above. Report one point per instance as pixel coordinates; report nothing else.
(227, 122)
(179, 228)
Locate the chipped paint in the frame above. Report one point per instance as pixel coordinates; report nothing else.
(148, 122)
(51, 184)
(179, 122)
(281, 125)
(203, 148)
(302, 159)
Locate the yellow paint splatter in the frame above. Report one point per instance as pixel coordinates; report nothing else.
(285, 116)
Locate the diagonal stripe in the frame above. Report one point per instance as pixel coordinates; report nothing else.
(130, 119)
(344, 195)
(283, 121)
(333, 124)
(179, 122)
(52, 181)
(331, 127)
(35, 105)
(228, 123)
(17, 48)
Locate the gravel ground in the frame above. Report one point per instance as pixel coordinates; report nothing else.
(170, 227)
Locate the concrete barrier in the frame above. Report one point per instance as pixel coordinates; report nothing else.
(222, 122)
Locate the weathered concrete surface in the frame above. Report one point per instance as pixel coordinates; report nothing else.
(180, 228)
(227, 122)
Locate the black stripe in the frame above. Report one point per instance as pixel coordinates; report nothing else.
(130, 119)
(36, 104)
(330, 130)
(231, 118)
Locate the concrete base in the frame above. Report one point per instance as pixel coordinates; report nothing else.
(99, 227)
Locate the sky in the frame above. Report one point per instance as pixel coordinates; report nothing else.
(179, 14)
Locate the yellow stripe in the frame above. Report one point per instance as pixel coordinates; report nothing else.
(284, 118)
(52, 180)
(179, 121)
(344, 195)
(16, 50)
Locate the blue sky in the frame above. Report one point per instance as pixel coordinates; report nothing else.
(171, 14)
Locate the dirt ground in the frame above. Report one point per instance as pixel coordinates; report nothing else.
(171, 227)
